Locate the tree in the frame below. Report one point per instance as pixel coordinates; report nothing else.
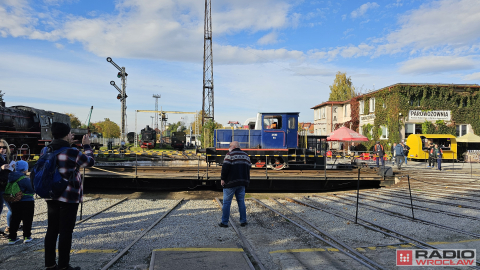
(108, 128)
(179, 126)
(74, 121)
(342, 88)
(1, 95)
(207, 131)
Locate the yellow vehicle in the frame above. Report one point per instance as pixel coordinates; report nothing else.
(419, 143)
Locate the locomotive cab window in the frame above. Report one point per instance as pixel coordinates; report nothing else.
(272, 122)
(292, 123)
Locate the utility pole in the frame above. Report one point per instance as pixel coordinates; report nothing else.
(122, 96)
(156, 97)
(207, 102)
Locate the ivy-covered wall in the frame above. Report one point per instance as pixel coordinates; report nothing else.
(462, 101)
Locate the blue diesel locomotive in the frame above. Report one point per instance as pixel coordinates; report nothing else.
(273, 141)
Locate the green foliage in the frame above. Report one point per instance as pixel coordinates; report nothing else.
(207, 132)
(342, 88)
(179, 126)
(1, 95)
(367, 131)
(428, 127)
(74, 121)
(464, 104)
(108, 128)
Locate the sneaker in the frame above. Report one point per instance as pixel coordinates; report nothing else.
(428, 166)
(28, 239)
(222, 225)
(13, 242)
(243, 224)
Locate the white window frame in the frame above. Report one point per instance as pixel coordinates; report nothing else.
(384, 128)
(362, 106)
(460, 129)
(372, 105)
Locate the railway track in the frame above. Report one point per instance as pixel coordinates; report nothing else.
(404, 216)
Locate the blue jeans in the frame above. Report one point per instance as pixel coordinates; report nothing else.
(227, 201)
(439, 162)
(9, 214)
(378, 159)
(406, 158)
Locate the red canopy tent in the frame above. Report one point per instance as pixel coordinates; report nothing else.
(346, 135)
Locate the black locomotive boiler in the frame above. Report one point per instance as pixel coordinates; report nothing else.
(28, 129)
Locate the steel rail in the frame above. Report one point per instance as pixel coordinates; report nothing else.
(400, 215)
(431, 194)
(345, 249)
(415, 206)
(101, 211)
(139, 237)
(453, 182)
(384, 230)
(438, 202)
(245, 242)
(445, 184)
(45, 212)
(42, 242)
(373, 226)
(328, 236)
(451, 189)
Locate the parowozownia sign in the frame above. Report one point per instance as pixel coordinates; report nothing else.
(429, 115)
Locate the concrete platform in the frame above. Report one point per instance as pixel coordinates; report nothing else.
(215, 257)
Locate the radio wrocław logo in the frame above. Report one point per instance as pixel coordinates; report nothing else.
(436, 257)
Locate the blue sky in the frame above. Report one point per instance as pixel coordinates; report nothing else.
(269, 55)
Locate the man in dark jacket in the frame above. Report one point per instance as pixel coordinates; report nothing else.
(235, 178)
(380, 153)
(62, 211)
(431, 158)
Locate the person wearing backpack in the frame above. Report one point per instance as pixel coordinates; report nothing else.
(62, 210)
(19, 192)
(4, 172)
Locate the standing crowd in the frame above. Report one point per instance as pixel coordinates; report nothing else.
(64, 188)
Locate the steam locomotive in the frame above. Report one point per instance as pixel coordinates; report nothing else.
(178, 140)
(149, 138)
(27, 129)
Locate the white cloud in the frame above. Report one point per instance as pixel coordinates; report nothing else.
(166, 29)
(59, 46)
(472, 77)
(232, 54)
(359, 12)
(436, 64)
(344, 17)
(270, 38)
(446, 23)
(396, 4)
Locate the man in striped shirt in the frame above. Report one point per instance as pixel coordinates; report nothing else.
(235, 178)
(62, 211)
